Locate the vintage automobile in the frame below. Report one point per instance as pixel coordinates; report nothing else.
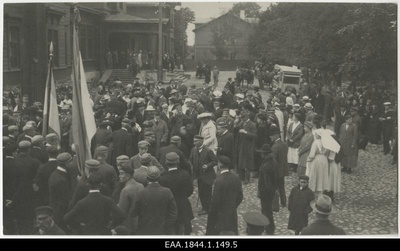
(287, 78)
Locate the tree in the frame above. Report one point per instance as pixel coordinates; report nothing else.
(183, 17)
(252, 10)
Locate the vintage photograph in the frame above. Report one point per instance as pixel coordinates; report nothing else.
(200, 119)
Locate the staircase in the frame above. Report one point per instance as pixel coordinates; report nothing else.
(179, 75)
(124, 75)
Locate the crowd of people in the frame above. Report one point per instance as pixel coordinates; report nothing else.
(153, 142)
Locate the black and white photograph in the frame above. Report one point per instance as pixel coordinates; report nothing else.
(199, 119)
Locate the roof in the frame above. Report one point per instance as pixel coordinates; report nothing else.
(125, 18)
(288, 69)
(215, 19)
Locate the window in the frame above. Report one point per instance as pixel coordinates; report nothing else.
(52, 36)
(15, 50)
(86, 42)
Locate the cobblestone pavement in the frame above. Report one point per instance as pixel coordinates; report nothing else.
(368, 202)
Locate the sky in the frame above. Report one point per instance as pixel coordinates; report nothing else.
(208, 10)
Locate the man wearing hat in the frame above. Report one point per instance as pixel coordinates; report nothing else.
(226, 198)
(178, 120)
(173, 147)
(103, 136)
(225, 140)
(279, 152)
(155, 207)
(43, 175)
(387, 121)
(180, 183)
(217, 113)
(227, 97)
(310, 114)
(122, 141)
(256, 223)
(209, 131)
(52, 139)
(140, 174)
(65, 126)
(38, 149)
(106, 170)
(28, 132)
(60, 189)
(246, 145)
(128, 195)
(135, 161)
(301, 110)
(13, 133)
(160, 131)
(268, 184)
(299, 205)
(203, 162)
(45, 223)
(323, 207)
(95, 212)
(11, 182)
(24, 208)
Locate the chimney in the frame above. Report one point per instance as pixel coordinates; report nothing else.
(242, 14)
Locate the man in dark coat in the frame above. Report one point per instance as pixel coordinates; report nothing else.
(339, 118)
(268, 184)
(225, 139)
(174, 147)
(226, 198)
(122, 142)
(203, 161)
(180, 183)
(95, 211)
(24, 205)
(323, 226)
(65, 126)
(299, 205)
(279, 152)
(227, 98)
(155, 207)
(60, 190)
(45, 222)
(102, 137)
(43, 175)
(387, 120)
(38, 151)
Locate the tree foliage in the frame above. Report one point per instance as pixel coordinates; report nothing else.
(354, 39)
(183, 17)
(251, 9)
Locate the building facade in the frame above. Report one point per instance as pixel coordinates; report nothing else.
(117, 27)
(228, 32)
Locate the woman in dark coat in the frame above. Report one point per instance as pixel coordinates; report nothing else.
(299, 205)
(374, 125)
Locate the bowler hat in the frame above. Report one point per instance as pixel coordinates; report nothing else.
(266, 148)
(172, 157)
(304, 177)
(323, 205)
(153, 172)
(64, 157)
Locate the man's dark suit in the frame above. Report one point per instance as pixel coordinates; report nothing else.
(42, 181)
(39, 154)
(183, 162)
(226, 145)
(59, 196)
(322, 227)
(279, 152)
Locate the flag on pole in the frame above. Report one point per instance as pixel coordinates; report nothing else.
(51, 120)
(83, 123)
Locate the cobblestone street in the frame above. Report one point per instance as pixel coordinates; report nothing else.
(368, 202)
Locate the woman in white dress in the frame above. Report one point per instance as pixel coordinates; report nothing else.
(335, 176)
(317, 165)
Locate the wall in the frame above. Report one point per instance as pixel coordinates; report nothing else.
(223, 65)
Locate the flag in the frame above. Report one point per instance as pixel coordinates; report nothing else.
(51, 120)
(83, 123)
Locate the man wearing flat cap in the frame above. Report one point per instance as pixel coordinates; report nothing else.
(255, 223)
(60, 189)
(103, 136)
(226, 198)
(24, 210)
(106, 170)
(95, 212)
(203, 162)
(28, 131)
(299, 205)
(135, 161)
(268, 184)
(180, 183)
(38, 150)
(45, 223)
(155, 207)
(323, 208)
(160, 130)
(173, 147)
(122, 141)
(225, 140)
(13, 133)
(128, 196)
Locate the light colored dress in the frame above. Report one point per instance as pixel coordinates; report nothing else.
(318, 167)
(335, 175)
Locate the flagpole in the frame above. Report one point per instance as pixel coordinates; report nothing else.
(47, 93)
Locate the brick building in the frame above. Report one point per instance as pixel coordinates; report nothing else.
(30, 27)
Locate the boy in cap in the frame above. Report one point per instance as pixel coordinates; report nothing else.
(256, 223)
(174, 147)
(226, 198)
(45, 222)
(105, 169)
(155, 207)
(38, 149)
(60, 189)
(143, 147)
(122, 141)
(299, 205)
(180, 183)
(95, 211)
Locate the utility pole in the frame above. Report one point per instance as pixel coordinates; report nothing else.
(160, 40)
